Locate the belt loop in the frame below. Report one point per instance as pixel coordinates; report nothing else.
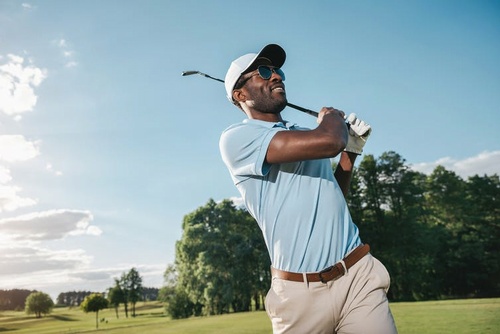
(343, 265)
(306, 281)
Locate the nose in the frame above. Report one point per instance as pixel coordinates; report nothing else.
(275, 74)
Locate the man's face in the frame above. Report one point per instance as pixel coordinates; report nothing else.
(265, 96)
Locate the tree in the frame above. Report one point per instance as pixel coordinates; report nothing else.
(132, 286)
(124, 290)
(177, 303)
(116, 296)
(468, 214)
(94, 303)
(39, 303)
(221, 260)
(447, 204)
(483, 197)
(167, 292)
(389, 209)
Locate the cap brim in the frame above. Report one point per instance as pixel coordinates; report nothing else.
(273, 52)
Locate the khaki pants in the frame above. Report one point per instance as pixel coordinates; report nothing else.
(356, 303)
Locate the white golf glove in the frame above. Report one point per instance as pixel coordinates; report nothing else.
(359, 131)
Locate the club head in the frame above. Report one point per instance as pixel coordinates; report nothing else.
(184, 73)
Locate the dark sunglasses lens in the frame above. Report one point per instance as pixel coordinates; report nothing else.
(266, 72)
(280, 73)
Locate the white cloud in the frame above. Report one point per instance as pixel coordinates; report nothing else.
(24, 263)
(4, 175)
(116, 272)
(67, 53)
(67, 274)
(93, 230)
(48, 225)
(17, 86)
(14, 148)
(238, 202)
(25, 259)
(10, 200)
(71, 64)
(61, 43)
(31, 267)
(27, 6)
(51, 169)
(484, 163)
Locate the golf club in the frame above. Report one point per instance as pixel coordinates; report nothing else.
(291, 105)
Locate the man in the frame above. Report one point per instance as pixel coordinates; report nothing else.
(324, 279)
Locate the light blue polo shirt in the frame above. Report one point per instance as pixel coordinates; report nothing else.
(299, 206)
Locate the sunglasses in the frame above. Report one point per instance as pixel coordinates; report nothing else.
(265, 72)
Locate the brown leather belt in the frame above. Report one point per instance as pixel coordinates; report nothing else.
(328, 274)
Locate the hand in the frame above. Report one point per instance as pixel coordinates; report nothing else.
(359, 127)
(329, 110)
(359, 131)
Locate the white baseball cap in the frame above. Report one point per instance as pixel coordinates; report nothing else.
(273, 52)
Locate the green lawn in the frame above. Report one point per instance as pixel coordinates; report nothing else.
(453, 316)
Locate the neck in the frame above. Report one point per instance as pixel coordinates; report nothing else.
(265, 117)
(262, 116)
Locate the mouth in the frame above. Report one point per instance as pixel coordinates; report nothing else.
(278, 88)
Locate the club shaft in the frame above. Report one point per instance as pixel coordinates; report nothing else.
(210, 77)
(307, 111)
(291, 105)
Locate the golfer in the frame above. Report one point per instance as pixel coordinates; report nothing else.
(324, 280)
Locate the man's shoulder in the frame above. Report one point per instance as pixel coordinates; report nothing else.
(252, 123)
(248, 126)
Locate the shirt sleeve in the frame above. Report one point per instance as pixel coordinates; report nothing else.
(243, 149)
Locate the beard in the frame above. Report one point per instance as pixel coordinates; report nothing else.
(270, 104)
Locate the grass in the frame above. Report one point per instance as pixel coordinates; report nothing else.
(454, 316)
(451, 316)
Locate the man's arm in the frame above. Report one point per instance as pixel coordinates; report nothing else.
(343, 172)
(359, 131)
(326, 141)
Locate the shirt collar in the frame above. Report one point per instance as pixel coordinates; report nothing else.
(285, 124)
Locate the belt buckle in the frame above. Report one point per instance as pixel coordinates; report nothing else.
(324, 271)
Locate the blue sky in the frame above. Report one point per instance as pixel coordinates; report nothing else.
(104, 146)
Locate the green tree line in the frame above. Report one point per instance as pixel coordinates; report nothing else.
(14, 299)
(72, 298)
(437, 234)
(127, 290)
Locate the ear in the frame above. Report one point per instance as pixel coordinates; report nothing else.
(239, 95)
